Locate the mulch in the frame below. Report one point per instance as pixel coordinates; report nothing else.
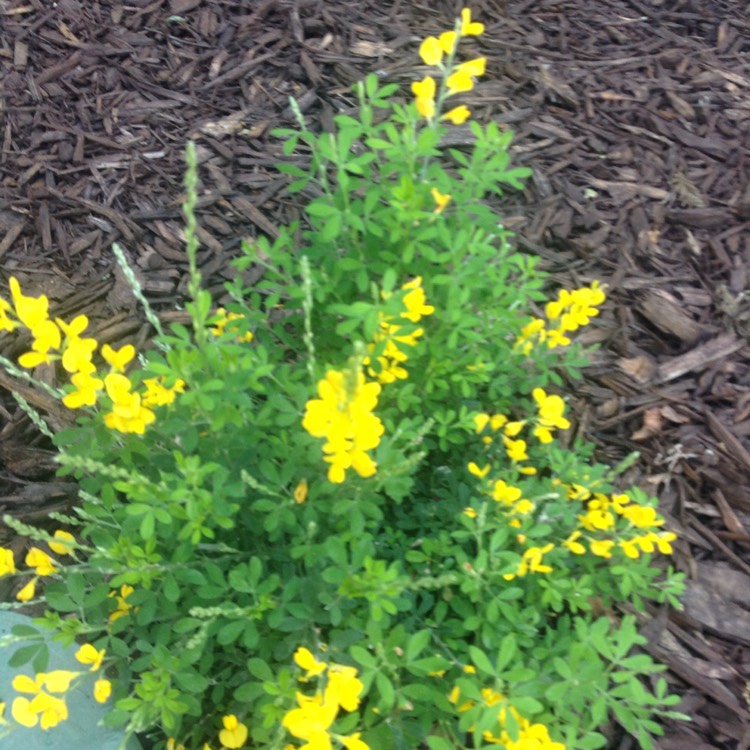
(635, 118)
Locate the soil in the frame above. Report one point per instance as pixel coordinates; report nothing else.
(635, 118)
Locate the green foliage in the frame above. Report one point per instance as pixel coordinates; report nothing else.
(214, 545)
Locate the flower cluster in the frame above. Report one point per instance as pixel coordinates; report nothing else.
(549, 417)
(439, 52)
(343, 416)
(227, 322)
(121, 598)
(599, 526)
(47, 705)
(55, 340)
(392, 339)
(314, 715)
(528, 736)
(569, 312)
(37, 559)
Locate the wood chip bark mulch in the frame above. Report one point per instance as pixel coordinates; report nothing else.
(633, 114)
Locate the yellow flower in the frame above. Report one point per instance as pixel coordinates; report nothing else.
(22, 712)
(26, 712)
(532, 562)
(225, 318)
(506, 494)
(53, 710)
(31, 311)
(441, 201)
(573, 545)
(415, 300)
(27, 592)
(304, 659)
(58, 681)
(61, 547)
(234, 733)
(118, 360)
(524, 507)
(312, 719)
(470, 512)
(128, 414)
(642, 517)
(77, 352)
(102, 690)
(87, 387)
(22, 683)
(7, 562)
(476, 471)
(448, 41)
(511, 429)
(343, 687)
(469, 27)
(123, 607)
(516, 449)
(459, 82)
(663, 541)
(87, 654)
(46, 337)
(42, 563)
(457, 115)
(551, 410)
(431, 51)
(158, 395)
(474, 68)
(343, 415)
(353, 742)
(6, 323)
(300, 492)
(601, 547)
(470, 669)
(424, 91)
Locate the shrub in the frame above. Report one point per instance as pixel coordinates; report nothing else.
(339, 512)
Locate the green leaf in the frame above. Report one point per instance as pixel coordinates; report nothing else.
(480, 661)
(506, 653)
(439, 743)
(386, 690)
(25, 654)
(417, 643)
